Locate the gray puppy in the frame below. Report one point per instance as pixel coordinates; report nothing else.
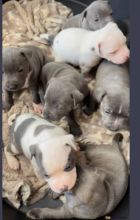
(64, 90)
(112, 91)
(101, 185)
(93, 18)
(21, 68)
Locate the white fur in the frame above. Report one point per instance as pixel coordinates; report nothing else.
(53, 146)
(74, 45)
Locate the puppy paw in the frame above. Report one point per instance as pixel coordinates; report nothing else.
(6, 107)
(13, 163)
(34, 213)
(38, 108)
(76, 131)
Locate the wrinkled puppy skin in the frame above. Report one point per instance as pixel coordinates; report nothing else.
(63, 89)
(100, 186)
(21, 68)
(112, 92)
(93, 18)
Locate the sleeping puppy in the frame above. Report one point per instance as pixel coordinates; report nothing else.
(112, 91)
(64, 90)
(86, 48)
(93, 18)
(21, 67)
(49, 147)
(101, 185)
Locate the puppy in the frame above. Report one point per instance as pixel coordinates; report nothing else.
(86, 48)
(21, 68)
(49, 147)
(112, 91)
(64, 90)
(101, 185)
(93, 18)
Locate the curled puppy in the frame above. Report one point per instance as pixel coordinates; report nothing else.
(101, 185)
(21, 67)
(49, 147)
(86, 48)
(64, 90)
(112, 91)
(93, 18)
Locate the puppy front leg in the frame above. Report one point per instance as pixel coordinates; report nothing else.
(85, 73)
(46, 213)
(11, 159)
(37, 171)
(90, 105)
(38, 108)
(8, 100)
(74, 127)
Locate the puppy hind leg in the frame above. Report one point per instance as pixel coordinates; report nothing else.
(11, 159)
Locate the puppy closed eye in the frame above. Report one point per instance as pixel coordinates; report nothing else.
(126, 116)
(109, 111)
(113, 52)
(68, 168)
(47, 176)
(20, 70)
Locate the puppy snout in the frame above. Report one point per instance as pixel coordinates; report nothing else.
(14, 86)
(111, 128)
(64, 189)
(127, 58)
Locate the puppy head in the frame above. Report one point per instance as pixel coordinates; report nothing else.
(56, 161)
(98, 14)
(115, 107)
(60, 99)
(113, 46)
(15, 67)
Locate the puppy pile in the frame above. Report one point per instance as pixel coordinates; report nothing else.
(58, 88)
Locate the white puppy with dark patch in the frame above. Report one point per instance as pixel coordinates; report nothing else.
(49, 147)
(86, 48)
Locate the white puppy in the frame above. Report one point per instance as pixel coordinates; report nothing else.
(86, 48)
(49, 148)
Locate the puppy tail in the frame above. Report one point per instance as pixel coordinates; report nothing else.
(117, 139)
(49, 38)
(11, 119)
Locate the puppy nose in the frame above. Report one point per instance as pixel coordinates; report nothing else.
(111, 128)
(64, 189)
(13, 86)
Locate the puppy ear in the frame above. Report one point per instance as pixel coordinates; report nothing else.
(99, 93)
(77, 97)
(83, 15)
(26, 53)
(71, 142)
(33, 151)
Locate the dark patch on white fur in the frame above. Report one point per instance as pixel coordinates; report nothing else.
(41, 128)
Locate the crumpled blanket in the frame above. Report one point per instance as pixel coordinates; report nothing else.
(22, 24)
(24, 21)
